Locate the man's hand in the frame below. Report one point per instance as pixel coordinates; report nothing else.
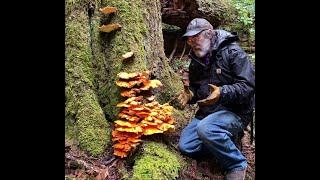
(184, 96)
(212, 98)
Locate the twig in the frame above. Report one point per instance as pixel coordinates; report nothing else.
(174, 50)
(184, 49)
(110, 161)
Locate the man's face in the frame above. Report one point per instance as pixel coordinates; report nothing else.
(200, 44)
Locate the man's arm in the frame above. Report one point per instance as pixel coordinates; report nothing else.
(244, 84)
(193, 86)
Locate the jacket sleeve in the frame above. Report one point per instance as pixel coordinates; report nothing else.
(244, 83)
(192, 82)
(195, 97)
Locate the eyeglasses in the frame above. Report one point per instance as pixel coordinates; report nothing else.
(196, 37)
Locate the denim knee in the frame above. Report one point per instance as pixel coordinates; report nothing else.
(205, 132)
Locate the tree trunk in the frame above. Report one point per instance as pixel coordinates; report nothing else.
(93, 59)
(85, 122)
(141, 33)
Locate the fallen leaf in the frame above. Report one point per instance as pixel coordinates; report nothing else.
(103, 174)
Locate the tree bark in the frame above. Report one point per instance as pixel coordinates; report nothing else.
(85, 122)
(93, 60)
(141, 33)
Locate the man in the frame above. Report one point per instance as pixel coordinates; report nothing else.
(222, 82)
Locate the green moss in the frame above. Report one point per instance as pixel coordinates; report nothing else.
(135, 35)
(101, 76)
(157, 162)
(85, 121)
(172, 83)
(76, 5)
(170, 28)
(93, 128)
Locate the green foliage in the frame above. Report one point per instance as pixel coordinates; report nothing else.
(245, 12)
(178, 64)
(242, 19)
(252, 58)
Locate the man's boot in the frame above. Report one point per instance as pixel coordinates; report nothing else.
(236, 175)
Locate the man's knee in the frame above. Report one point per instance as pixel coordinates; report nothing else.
(206, 131)
(191, 151)
(188, 147)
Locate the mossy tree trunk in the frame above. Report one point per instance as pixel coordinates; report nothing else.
(141, 33)
(85, 122)
(93, 59)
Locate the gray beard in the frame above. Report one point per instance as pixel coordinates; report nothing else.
(204, 50)
(200, 53)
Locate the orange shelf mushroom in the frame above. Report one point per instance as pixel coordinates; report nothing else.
(108, 10)
(109, 27)
(139, 116)
(127, 55)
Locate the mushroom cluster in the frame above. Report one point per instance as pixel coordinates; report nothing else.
(141, 114)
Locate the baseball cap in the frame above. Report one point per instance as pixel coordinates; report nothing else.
(196, 26)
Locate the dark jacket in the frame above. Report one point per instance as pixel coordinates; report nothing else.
(234, 74)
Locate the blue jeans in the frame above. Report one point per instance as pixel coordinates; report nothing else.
(213, 135)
